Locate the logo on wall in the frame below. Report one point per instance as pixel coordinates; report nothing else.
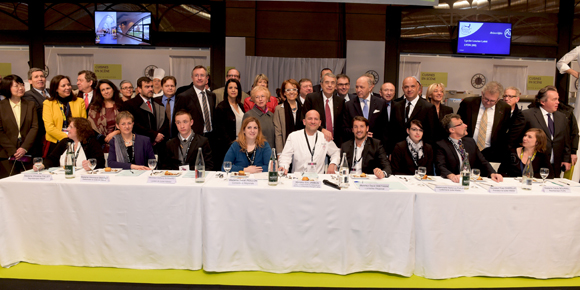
(46, 71)
(148, 72)
(478, 81)
(375, 76)
(508, 33)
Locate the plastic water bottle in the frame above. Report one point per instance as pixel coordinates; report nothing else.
(343, 172)
(199, 167)
(465, 172)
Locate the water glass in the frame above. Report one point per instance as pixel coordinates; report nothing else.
(544, 172)
(227, 168)
(421, 171)
(92, 164)
(281, 174)
(152, 164)
(475, 173)
(37, 161)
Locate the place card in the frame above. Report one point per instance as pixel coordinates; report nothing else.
(448, 188)
(95, 178)
(36, 177)
(375, 186)
(161, 179)
(306, 184)
(503, 189)
(556, 189)
(243, 182)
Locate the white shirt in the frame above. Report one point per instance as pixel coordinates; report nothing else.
(357, 156)
(200, 98)
(413, 104)
(145, 100)
(296, 152)
(81, 157)
(40, 92)
(490, 114)
(573, 55)
(545, 115)
(346, 98)
(302, 100)
(330, 104)
(89, 95)
(160, 94)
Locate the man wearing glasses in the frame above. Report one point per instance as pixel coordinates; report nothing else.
(512, 96)
(219, 93)
(487, 121)
(343, 86)
(451, 151)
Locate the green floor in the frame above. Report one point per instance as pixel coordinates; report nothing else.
(359, 280)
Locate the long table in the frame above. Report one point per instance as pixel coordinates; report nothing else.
(408, 230)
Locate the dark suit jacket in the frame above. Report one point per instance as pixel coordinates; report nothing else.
(9, 128)
(424, 112)
(533, 118)
(469, 109)
(317, 88)
(444, 110)
(511, 166)
(183, 89)
(225, 122)
(91, 147)
(189, 101)
(172, 161)
(316, 101)
(146, 122)
(448, 161)
(37, 99)
(373, 156)
(143, 152)
(402, 160)
(377, 116)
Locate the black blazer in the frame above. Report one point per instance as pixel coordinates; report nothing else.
(469, 109)
(373, 156)
(172, 161)
(377, 116)
(91, 147)
(424, 112)
(316, 101)
(444, 110)
(189, 101)
(225, 122)
(402, 160)
(511, 166)
(146, 123)
(533, 118)
(448, 161)
(38, 100)
(9, 129)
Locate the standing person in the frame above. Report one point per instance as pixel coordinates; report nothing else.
(343, 86)
(57, 109)
(272, 102)
(533, 145)
(129, 150)
(330, 107)
(287, 117)
(232, 73)
(37, 94)
(158, 75)
(250, 152)
(324, 71)
(370, 107)
(86, 82)
(103, 112)
(167, 99)
(18, 128)
(436, 95)
(126, 90)
(182, 150)
(261, 112)
(487, 121)
(408, 155)
(305, 89)
(229, 115)
(511, 96)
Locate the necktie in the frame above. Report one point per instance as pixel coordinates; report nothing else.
(328, 117)
(366, 108)
(461, 149)
(168, 109)
(407, 111)
(86, 101)
(551, 124)
(482, 131)
(44, 94)
(149, 105)
(389, 111)
(206, 112)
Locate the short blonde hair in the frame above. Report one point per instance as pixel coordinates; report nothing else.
(256, 89)
(432, 88)
(259, 78)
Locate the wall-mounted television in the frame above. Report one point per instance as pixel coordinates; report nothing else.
(490, 38)
(122, 28)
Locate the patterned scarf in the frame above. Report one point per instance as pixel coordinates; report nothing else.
(415, 149)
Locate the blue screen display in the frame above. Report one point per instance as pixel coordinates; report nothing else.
(484, 38)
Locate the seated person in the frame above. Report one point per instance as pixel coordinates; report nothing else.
(534, 145)
(182, 150)
(365, 154)
(250, 152)
(85, 147)
(451, 152)
(408, 155)
(128, 150)
(309, 146)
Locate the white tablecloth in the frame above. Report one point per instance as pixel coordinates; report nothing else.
(281, 229)
(477, 233)
(127, 223)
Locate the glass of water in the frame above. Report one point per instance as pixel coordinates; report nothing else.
(92, 164)
(281, 174)
(152, 164)
(475, 173)
(544, 172)
(421, 171)
(37, 161)
(227, 168)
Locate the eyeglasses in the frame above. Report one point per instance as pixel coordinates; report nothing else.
(460, 124)
(508, 96)
(342, 85)
(486, 100)
(233, 76)
(127, 88)
(291, 90)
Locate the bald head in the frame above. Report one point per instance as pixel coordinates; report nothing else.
(387, 91)
(311, 122)
(410, 88)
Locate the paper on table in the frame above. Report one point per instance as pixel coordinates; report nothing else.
(132, 172)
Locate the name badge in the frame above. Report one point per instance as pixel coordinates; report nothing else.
(556, 189)
(243, 182)
(375, 186)
(161, 180)
(95, 178)
(36, 177)
(306, 184)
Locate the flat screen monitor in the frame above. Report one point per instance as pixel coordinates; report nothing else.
(122, 28)
(493, 38)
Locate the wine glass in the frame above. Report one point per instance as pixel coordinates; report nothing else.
(92, 164)
(281, 173)
(152, 164)
(421, 171)
(544, 172)
(37, 161)
(227, 168)
(475, 173)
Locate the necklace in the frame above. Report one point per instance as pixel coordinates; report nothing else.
(127, 143)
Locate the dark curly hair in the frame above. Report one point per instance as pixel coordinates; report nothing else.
(84, 129)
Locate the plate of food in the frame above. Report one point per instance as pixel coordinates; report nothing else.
(359, 176)
(240, 174)
(168, 173)
(479, 179)
(109, 170)
(306, 178)
(424, 178)
(534, 180)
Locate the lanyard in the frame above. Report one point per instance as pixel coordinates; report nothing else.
(311, 150)
(522, 164)
(253, 156)
(354, 161)
(64, 120)
(76, 155)
(184, 155)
